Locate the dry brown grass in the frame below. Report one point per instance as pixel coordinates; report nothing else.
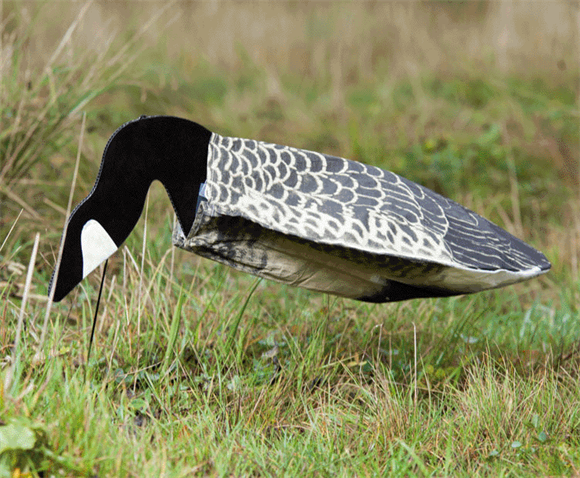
(345, 39)
(341, 44)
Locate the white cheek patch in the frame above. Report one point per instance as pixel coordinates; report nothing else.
(96, 246)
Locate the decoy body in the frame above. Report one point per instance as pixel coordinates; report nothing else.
(298, 217)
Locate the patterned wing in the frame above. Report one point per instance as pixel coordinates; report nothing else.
(346, 228)
(339, 202)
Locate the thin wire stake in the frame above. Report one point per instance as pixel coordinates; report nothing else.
(95, 317)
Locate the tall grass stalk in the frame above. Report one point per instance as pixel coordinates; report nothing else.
(61, 245)
(40, 104)
(13, 372)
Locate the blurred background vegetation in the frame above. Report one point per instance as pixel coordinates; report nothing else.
(477, 100)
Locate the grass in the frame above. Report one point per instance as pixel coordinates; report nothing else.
(198, 370)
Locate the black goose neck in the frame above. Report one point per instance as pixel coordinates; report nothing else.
(164, 148)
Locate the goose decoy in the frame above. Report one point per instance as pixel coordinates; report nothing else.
(302, 218)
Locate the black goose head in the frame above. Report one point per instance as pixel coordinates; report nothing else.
(171, 150)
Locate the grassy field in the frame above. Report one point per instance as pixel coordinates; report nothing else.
(198, 370)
